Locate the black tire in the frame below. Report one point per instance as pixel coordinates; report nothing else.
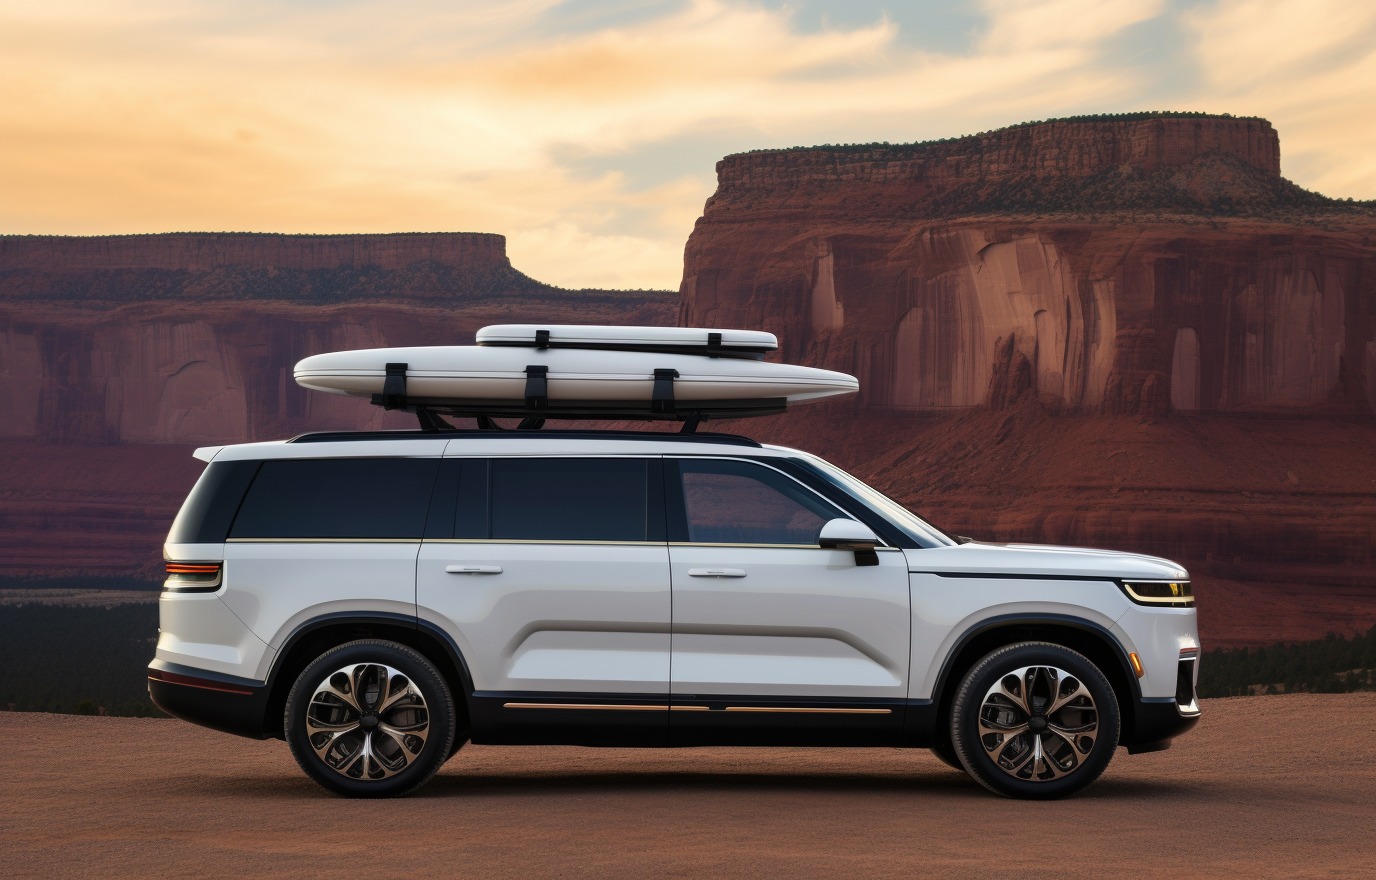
(1010, 764)
(363, 752)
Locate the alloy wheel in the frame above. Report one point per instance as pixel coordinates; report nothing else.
(367, 721)
(1038, 723)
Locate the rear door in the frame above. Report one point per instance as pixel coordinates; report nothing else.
(552, 576)
(774, 638)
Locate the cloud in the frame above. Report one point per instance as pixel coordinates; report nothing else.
(365, 116)
(1309, 67)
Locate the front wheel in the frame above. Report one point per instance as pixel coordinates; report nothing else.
(370, 718)
(1035, 720)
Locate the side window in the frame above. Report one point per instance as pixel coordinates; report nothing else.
(736, 502)
(569, 499)
(338, 498)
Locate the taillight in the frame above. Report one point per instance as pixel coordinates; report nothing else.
(192, 577)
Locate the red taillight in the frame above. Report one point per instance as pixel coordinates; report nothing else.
(192, 577)
(193, 568)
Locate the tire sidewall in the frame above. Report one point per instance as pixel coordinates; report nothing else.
(422, 674)
(970, 697)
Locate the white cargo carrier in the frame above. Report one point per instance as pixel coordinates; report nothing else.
(536, 372)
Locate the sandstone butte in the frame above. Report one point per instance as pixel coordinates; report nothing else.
(1127, 332)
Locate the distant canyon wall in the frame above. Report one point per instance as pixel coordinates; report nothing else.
(838, 253)
(170, 339)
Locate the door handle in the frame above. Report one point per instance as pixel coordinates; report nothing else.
(473, 569)
(716, 572)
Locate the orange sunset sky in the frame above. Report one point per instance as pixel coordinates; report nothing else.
(587, 132)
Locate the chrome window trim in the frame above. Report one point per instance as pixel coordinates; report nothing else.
(323, 540)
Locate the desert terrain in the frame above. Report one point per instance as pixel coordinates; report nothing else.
(1264, 787)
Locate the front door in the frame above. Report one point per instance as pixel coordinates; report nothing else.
(552, 576)
(774, 638)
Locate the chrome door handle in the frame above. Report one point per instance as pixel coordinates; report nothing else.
(716, 572)
(473, 569)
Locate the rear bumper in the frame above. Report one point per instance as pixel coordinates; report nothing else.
(221, 702)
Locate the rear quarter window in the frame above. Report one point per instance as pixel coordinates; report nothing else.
(209, 510)
(357, 498)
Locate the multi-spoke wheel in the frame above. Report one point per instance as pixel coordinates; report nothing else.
(370, 718)
(1035, 720)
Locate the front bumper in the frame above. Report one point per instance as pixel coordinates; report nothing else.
(1155, 723)
(221, 702)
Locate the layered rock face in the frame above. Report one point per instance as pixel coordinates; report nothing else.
(191, 338)
(1131, 266)
(119, 355)
(1127, 333)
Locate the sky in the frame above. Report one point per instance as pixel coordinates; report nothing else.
(587, 132)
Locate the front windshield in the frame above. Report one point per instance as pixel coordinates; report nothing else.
(921, 531)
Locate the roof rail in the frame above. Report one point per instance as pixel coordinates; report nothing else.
(462, 434)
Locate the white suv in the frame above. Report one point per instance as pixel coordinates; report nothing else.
(378, 599)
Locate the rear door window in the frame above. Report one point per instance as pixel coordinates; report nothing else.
(357, 498)
(564, 499)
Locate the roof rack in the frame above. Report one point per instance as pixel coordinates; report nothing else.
(585, 434)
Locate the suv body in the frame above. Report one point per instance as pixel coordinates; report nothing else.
(623, 588)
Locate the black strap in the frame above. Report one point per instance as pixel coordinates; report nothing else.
(542, 339)
(430, 422)
(662, 400)
(394, 387)
(537, 386)
(714, 345)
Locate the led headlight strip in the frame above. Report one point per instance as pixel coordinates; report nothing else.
(1167, 594)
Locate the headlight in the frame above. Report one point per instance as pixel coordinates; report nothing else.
(1168, 594)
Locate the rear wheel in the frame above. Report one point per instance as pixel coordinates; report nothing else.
(370, 718)
(1035, 720)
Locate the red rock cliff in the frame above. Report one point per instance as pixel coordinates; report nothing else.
(1121, 265)
(1127, 333)
(190, 338)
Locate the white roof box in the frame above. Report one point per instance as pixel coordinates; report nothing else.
(668, 340)
(510, 381)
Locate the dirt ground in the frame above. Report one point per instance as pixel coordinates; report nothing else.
(1280, 786)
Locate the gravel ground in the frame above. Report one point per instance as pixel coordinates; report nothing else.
(1281, 786)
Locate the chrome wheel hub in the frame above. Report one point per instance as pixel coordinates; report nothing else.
(1038, 723)
(367, 721)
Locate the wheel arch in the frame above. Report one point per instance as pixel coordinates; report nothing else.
(1083, 636)
(318, 635)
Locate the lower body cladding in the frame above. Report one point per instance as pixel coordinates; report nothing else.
(641, 720)
(241, 707)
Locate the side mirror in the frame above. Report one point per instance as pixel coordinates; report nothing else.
(847, 534)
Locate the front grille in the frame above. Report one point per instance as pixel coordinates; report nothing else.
(1184, 685)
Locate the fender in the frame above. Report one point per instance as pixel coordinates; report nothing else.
(465, 683)
(924, 715)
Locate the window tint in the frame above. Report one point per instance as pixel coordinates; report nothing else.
(568, 499)
(338, 498)
(210, 508)
(736, 502)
